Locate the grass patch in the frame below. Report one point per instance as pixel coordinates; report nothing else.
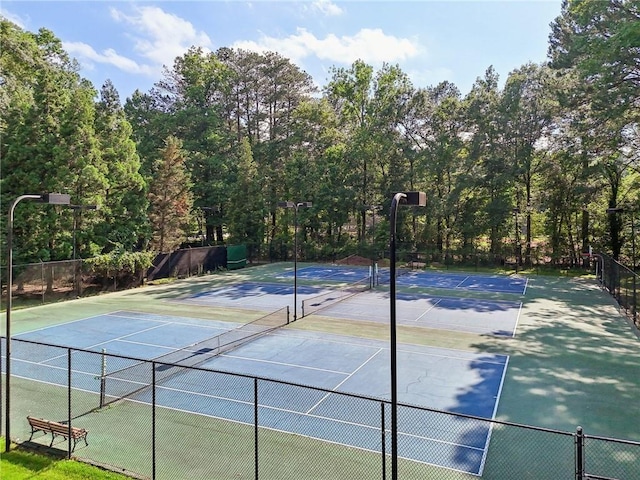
(20, 464)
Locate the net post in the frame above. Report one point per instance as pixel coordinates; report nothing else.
(288, 313)
(103, 378)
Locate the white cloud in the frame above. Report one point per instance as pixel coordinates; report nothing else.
(326, 7)
(12, 18)
(369, 45)
(109, 56)
(160, 36)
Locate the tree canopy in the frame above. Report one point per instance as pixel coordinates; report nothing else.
(204, 157)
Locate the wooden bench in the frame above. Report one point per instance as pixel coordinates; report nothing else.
(56, 430)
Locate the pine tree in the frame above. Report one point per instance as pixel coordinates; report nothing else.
(170, 198)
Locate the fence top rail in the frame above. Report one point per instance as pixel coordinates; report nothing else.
(40, 264)
(610, 260)
(621, 441)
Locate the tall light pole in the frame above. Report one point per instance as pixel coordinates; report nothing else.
(50, 198)
(407, 198)
(295, 206)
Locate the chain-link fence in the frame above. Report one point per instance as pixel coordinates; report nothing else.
(200, 423)
(621, 282)
(46, 282)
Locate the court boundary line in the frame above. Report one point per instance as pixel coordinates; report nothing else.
(515, 327)
(427, 310)
(39, 329)
(493, 416)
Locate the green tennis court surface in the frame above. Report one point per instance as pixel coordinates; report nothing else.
(573, 360)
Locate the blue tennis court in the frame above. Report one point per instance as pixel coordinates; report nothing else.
(331, 273)
(439, 378)
(473, 315)
(459, 281)
(259, 296)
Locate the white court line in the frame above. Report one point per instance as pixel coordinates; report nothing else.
(61, 324)
(493, 416)
(428, 310)
(465, 279)
(526, 284)
(515, 326)
(284, 364)
(342, 382)
(97, 344)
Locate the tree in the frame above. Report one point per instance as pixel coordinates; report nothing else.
(527, 109)
(247, 209)
(489, 175)
(170, 198)
(125, 203)
(598, 42)
(49, 142)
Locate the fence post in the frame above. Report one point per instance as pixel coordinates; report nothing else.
(384, 442)
(579, 454)
(255, 423)
(69, 402)
(153, 420)
(634, 304)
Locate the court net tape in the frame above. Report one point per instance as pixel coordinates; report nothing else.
(134, 379)
(324, 300)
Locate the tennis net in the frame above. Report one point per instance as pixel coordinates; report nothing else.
(134, 379)
(324, 300)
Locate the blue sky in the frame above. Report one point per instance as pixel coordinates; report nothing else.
(130, 41)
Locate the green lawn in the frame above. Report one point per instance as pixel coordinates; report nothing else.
(20, 464)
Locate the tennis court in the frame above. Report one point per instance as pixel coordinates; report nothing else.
(262, 296)
(480, 316)
(459, 281)
(354, 300)
(331, 273)
(444, 379)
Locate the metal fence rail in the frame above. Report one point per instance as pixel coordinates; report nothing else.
(217, 425)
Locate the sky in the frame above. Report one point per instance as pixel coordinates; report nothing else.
(129, 42)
